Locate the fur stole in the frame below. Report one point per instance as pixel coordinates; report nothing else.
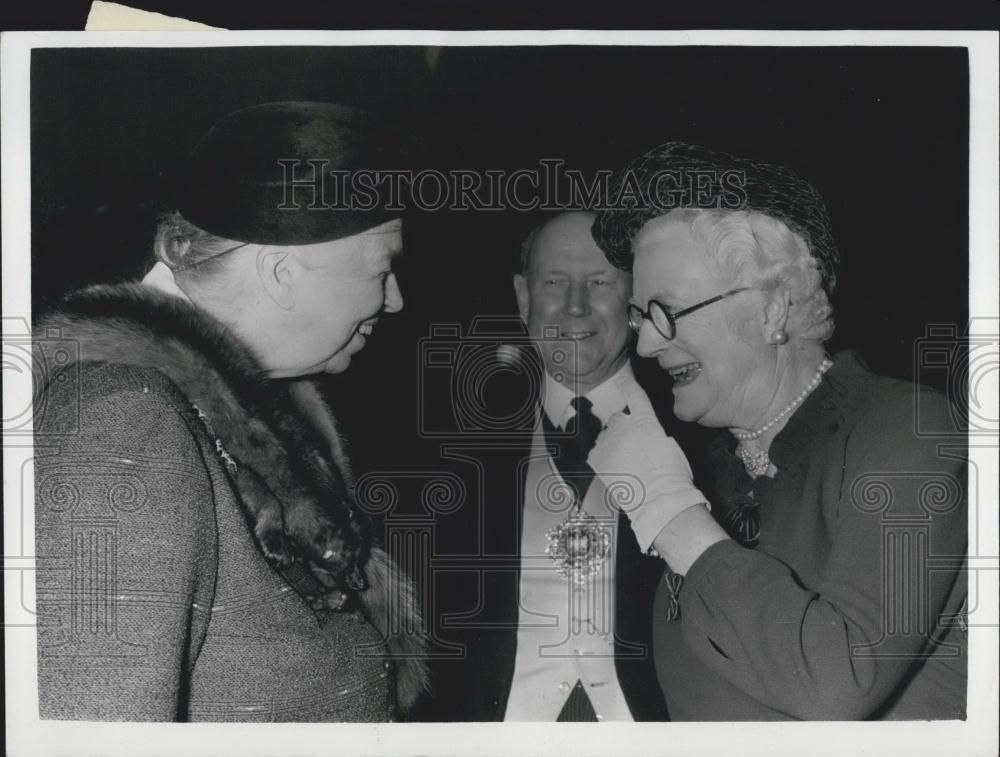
(282, 452)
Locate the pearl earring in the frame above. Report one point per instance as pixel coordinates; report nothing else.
(780, 336)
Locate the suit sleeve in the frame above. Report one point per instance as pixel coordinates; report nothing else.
(127, 551)
(840, 648)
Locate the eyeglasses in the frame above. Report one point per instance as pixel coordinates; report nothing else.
(240, 246)
(665, 321)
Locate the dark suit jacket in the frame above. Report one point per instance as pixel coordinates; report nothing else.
(474, 597)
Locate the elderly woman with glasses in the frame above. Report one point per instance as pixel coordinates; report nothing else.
(821, 574)
(200, 554)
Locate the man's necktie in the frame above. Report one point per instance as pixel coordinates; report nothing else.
(574, 445)
(571, 461)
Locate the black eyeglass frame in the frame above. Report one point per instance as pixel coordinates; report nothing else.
(228, 250)
(636, 315)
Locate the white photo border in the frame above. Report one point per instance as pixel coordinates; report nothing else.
(28, 735)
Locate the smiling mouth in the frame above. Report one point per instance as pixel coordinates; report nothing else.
(684, 374)
(366, 329)
(576, 336)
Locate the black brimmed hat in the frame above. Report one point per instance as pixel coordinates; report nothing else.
(286, 173)
(679, 175)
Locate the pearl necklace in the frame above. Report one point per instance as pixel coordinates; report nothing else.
(799, 399)
(756, 459)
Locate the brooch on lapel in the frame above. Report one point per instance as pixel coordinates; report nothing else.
(219, 449)
(674, 583)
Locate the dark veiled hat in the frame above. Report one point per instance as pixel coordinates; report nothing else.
(285, 173)
(679, 175)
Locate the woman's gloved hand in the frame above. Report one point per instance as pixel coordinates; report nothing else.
(644, 471)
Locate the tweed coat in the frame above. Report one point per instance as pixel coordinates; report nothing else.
(199, 556)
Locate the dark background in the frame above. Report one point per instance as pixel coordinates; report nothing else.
(882, 132)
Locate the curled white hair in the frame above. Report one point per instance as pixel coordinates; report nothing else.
(753, 249)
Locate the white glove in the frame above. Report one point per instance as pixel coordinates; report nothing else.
(643, 470)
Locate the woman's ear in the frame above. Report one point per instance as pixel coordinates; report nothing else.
(777, 310)
(274, 271)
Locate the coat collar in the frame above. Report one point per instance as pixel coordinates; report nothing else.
(735, 495)
(823, 411)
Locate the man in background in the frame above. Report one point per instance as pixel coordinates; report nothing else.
(556, 623)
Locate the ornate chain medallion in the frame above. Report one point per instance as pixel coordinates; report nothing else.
(579, 546)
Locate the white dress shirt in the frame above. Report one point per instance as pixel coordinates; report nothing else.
(565, 630)
(162, 278)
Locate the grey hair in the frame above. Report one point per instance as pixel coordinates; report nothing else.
(181, 245)
(753, 249)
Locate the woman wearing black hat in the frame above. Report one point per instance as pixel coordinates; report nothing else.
(199, 554)
(839, 590)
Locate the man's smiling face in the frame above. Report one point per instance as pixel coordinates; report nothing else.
(574, 302)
